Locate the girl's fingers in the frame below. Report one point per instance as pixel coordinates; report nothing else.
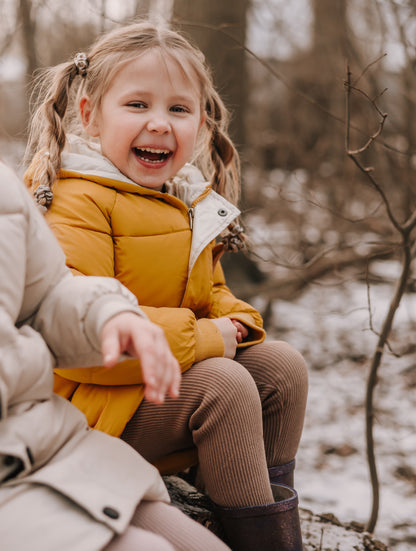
(242, 330)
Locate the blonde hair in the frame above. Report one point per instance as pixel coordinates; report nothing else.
(59, 89)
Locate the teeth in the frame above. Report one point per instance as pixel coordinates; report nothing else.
(151, 150)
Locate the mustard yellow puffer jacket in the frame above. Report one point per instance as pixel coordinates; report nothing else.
(159, 245)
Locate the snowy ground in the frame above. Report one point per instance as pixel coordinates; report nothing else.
(329, 325)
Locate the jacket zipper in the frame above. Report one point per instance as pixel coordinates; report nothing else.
(191, 211)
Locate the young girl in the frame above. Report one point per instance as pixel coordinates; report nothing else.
(63, 486)
(144, 191)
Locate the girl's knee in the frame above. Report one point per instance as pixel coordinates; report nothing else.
(230, 381)
(276, 364)
(294, 359)
(285, 362)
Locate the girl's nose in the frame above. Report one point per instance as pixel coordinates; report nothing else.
(158, 125)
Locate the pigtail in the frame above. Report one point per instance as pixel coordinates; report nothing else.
(47, 131)
(223, 155)
(225, 167)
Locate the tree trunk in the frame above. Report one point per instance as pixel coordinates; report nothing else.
(28, 30)
(142, 8)
(218, 28)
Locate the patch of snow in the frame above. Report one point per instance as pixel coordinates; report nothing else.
(329, 324)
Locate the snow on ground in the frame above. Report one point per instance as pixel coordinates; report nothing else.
(329, 324)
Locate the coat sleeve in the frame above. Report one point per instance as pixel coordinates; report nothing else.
(22, 346)
(19, 348)
(73, 313)
(225, 304)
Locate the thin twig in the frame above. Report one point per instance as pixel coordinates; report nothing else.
(368, 67)
(353, 153)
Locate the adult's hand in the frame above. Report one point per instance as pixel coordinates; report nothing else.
(138, 337)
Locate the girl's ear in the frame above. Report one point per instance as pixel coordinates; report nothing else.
(88, 119)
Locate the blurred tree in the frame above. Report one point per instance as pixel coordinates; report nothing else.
(142, 8)
(219, 29)
(27, 21)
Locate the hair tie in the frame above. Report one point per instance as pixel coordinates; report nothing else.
(234, 241)
(43, 195)
(81, 63)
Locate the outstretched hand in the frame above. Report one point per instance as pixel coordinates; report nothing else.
(139, 337)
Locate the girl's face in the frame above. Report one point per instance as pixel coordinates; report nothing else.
(149, 119)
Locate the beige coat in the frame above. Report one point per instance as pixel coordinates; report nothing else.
(63, 486)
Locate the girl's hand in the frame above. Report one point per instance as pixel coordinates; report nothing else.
(229, 335)
(242, 331)
(139, 337)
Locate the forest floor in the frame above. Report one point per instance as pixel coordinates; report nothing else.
(329, 324)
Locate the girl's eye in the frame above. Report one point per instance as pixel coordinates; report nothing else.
(179, 109)
(137, 105)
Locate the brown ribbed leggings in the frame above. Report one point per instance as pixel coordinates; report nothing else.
(243, 415)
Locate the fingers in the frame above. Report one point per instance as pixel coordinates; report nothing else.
(176, 381)
(143, 339)
(110, 347)
(160, 370)
(242, 331)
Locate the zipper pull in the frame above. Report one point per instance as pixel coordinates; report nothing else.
(191, 217)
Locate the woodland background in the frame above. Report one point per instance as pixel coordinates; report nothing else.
(328, 200)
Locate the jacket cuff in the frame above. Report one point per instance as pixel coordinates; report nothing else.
(256, 334)
(208, 340)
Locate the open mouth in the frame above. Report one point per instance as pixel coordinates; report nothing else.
(152, 155)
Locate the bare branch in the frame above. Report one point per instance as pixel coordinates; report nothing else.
(407, 246)
(370, 315)
(353, 153)
(366, 69)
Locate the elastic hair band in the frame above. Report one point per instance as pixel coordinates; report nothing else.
(234, 241)
(81, 62)
(43, 195)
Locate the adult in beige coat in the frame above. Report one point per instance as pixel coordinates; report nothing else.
(63, 485)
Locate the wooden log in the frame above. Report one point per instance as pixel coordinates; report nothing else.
(322, 532)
